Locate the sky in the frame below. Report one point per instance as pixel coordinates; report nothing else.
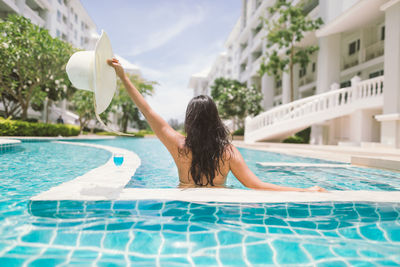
(168, 39)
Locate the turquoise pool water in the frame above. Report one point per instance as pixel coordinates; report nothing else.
(158, 170)
(175, 233)
(33, 168)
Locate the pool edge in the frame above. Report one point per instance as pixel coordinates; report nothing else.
(102, 183)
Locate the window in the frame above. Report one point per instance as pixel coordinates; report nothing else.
(60, 2)
(354, 47)
(75, 34)
(278, 83)
(76, 18)
(58, 33)
(382, 33)
(345, 84)
(302, 72)
(58, 16)
(82, 25)
(313, 67)
(376, 74)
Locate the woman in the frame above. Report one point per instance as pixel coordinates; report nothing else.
(205, 156)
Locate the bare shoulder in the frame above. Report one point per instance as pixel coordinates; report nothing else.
(231, 152)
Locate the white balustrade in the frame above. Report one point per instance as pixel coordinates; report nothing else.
(309, 110)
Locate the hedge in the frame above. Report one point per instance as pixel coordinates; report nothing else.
(10, 127)
(302, 137)
(239, 132)
(114, 134)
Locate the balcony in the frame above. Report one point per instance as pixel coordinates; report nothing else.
(244, 73)
(255, 66)
(352, 60)
(309, 5)
(258, 38)
(277, 91)
(365, 54)
(244, 53)
(10, 6)
(43, 4)
(306, 80)
(257, 13)
(33, 16)
(374, 50)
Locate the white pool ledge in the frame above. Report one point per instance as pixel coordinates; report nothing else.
(102, 183)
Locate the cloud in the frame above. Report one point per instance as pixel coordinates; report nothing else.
(163, 35)
(172, 95)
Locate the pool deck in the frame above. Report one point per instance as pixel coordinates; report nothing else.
(107, 182)
(369, 155)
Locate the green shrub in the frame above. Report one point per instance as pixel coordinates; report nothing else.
(305, 134)
(144, 132)
(10, 127)
(239, 132)
(294, 140)
(302, 137)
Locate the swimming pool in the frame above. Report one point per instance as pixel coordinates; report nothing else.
(158, 170)
(178, 233)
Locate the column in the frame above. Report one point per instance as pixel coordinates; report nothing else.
(267, 89)
(244, 14)
(328, 71)
(390, 119)
(285, 88)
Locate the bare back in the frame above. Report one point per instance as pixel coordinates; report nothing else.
(183, 163)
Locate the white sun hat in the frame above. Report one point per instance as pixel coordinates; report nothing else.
(88, 70)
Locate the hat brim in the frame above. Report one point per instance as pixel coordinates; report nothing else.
(105, 78)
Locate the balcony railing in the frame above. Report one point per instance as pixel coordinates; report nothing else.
(299, 114)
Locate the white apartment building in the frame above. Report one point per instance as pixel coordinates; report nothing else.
(349, 93)
(66, 19)
(69, 21)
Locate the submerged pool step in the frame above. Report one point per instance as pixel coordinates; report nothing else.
(297, 164)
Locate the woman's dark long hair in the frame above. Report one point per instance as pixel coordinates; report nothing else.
(207, 138)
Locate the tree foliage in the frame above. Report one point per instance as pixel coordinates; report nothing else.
(235, 100)
(83, 105)
(283, 34)
(32, 66)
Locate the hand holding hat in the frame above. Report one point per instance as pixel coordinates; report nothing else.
(117, 66)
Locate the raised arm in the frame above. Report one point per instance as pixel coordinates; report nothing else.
(242, 172)
(168, 136)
